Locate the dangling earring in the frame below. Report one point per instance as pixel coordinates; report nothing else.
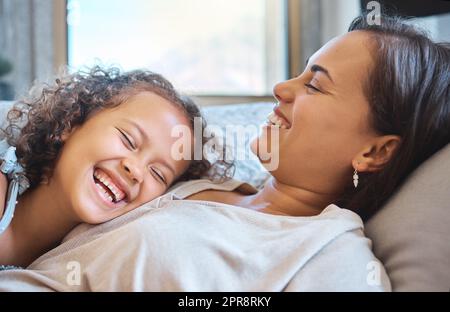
(355, 178)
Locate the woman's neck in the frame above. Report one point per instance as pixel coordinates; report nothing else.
(40, 222)
(278, 198)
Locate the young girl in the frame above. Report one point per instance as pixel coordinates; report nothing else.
(95, 146)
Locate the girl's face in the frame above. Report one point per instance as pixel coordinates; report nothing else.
(119, 159)
(327, 116)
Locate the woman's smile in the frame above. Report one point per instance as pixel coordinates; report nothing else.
(277, 120)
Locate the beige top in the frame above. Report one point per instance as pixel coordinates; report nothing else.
(170, 244)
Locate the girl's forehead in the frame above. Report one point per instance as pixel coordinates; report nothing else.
(145, 102)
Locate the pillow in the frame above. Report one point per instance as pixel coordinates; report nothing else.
(410, 233)
(251, 114)
(5, 106)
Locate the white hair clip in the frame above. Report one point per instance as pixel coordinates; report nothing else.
(18, 182)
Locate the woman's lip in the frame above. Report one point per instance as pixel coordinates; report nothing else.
(280, 114)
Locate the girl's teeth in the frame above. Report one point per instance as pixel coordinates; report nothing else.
(105, 194)
(118, 196)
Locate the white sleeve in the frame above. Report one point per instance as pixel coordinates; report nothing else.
(345, 264)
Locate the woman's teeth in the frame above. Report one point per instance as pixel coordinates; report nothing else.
(274, 120)
(110, 191)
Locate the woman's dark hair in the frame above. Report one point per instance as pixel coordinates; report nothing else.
(408, 95)
(37, 123)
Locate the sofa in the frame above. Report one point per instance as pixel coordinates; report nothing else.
(409, 234)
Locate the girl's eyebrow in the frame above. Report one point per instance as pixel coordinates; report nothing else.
(139, 128)
(146, 137)
(168, 166)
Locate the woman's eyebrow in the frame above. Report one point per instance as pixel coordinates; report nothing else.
(317, 68)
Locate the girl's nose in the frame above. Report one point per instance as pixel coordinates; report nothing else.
(133, 171)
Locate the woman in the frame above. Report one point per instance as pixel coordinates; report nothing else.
(370, 107)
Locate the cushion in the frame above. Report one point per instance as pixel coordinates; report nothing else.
(4, 108)
(410, 233)
(253, 115)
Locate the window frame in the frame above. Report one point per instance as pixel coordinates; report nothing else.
(295, 17)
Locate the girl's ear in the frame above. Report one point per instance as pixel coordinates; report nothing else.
(67, 134)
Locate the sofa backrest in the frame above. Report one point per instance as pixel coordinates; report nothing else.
(410, 234)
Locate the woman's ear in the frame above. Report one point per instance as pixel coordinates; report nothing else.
(377, 154)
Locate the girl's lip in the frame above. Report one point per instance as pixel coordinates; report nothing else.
(108, 203)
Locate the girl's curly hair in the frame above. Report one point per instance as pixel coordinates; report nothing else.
(37, 123)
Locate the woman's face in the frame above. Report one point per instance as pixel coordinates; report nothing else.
(119, 159)
(326, 115)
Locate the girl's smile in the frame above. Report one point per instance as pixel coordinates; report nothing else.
(108, 191)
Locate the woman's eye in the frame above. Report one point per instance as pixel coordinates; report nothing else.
(311, 87)
(158, 174)
(127, 139)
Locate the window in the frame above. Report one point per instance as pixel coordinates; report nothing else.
(204, 47)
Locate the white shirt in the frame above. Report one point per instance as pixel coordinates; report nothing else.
(171, 244)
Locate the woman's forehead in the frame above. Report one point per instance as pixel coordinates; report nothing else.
(345, 57)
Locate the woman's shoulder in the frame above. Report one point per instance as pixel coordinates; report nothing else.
(187, 189)
(333, 211)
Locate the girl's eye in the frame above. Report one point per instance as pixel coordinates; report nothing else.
(127, 139)
(158, 174)
(311, 87)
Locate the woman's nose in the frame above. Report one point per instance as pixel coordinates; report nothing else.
(284, 92)
(132, 170)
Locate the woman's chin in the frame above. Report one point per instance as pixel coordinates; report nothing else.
(254, 146)
(268, 159)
